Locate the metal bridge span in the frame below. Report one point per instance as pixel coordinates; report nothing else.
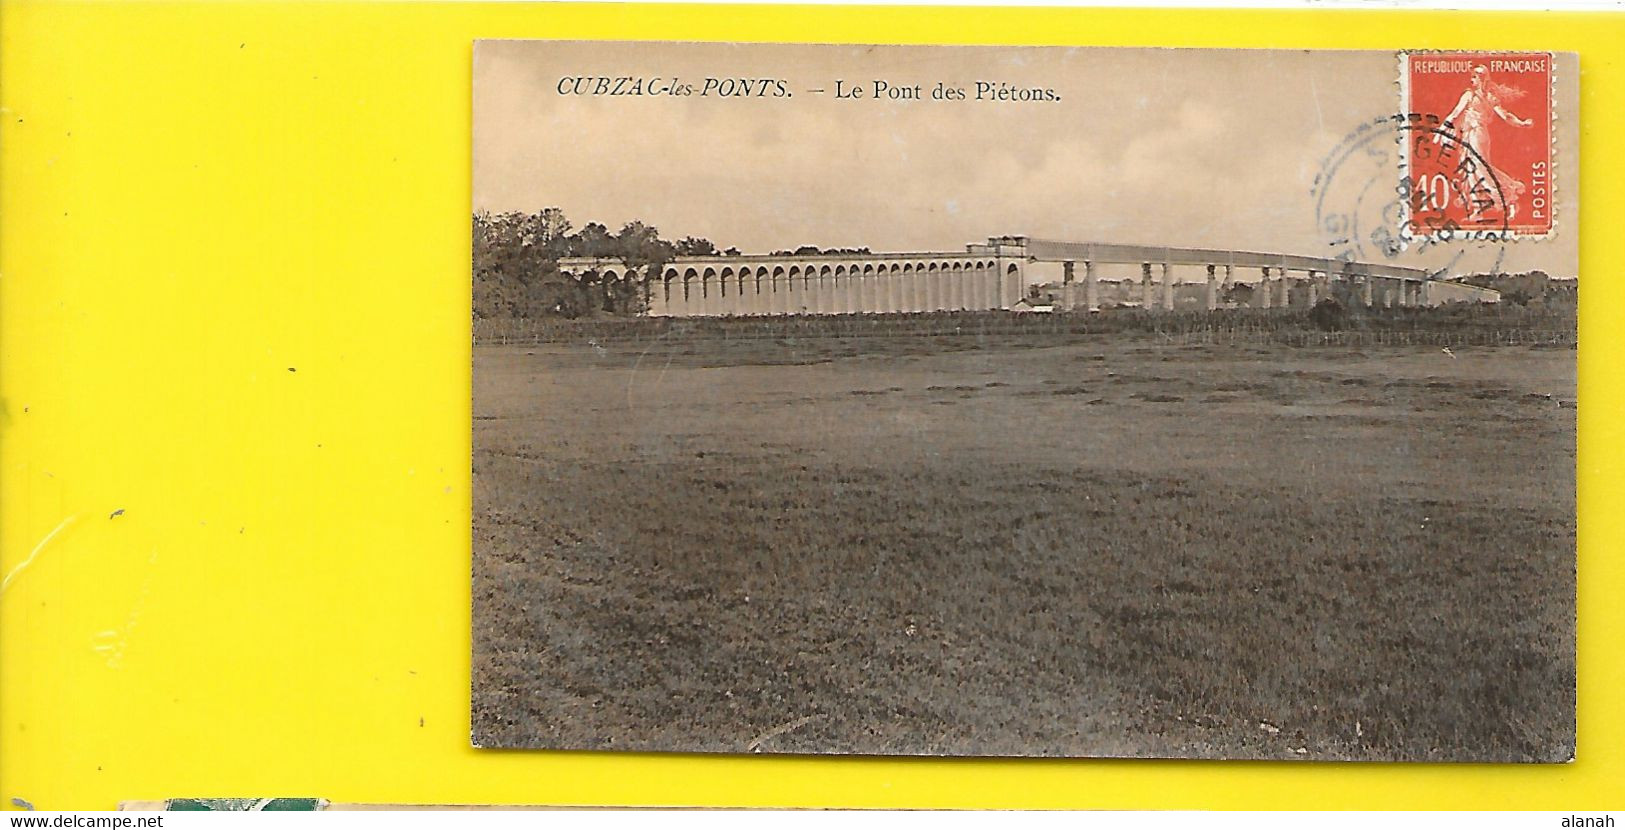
(994, 276)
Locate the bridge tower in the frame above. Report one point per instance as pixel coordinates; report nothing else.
(1010, 264)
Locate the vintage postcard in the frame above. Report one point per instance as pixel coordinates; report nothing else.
(1024, 401)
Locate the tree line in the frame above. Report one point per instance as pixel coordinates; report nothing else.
(516, 264)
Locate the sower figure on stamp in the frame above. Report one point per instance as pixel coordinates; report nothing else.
(1471, 118)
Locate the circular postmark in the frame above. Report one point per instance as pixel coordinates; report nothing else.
(1402, 182)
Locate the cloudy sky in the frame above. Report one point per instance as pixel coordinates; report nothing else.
(1199, 148)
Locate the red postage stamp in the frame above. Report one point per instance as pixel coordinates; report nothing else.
(1477, 158)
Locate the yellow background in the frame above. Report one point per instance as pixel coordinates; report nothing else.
(234, 304)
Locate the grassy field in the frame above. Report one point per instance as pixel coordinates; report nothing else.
(1025, 546)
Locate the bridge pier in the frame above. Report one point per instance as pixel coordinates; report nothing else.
(1145, 285)
(1262, 298)
(1212, 288)
(1312, 289)
(1091, 289)
(1167, 287)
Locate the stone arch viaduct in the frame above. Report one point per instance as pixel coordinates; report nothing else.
(994, 276)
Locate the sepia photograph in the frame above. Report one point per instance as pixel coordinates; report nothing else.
(1024, 401)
